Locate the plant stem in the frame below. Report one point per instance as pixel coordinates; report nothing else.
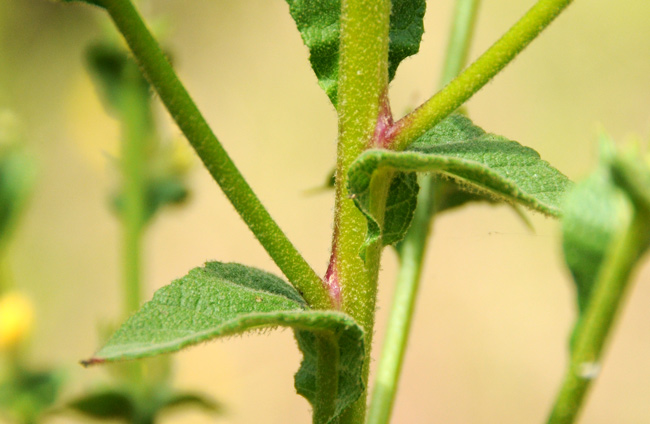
(180, 105)
(594, 327)
(462, 31)
(363, 82)
(136, 124)
(399, 323)
(459, 90)
(413, 248)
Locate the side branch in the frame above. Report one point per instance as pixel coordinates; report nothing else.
(184, 111)
(479, 73)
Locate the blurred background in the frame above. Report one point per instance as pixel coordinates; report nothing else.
(489, 343)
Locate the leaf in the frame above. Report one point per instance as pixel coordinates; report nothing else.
(27, 394)
(484, 164)
(114, 71)
(319, 23)
(597, 212)
(17, 177)
(160, 192)
(187, 399)
(138, 403)
(350, 361)
(226, 299)
(91, 2)
(406, 29)
(400, 206)
(107, 404)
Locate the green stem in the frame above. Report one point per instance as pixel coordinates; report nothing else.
(412, 251)
(180, 105)
(413, 247)
(363, 82)
(459, 90)
(136, 123)
(462, 32)
(594, 327)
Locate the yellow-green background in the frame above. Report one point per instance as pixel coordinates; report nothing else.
(496, 305)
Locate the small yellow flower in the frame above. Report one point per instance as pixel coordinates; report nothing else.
(16, 319)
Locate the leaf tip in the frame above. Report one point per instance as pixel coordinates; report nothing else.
(92, 361)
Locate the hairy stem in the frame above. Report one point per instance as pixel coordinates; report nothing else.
(182, 108)
(594, 328)
(412, 251)
(413, 248)
(363, 81)
(459, 90)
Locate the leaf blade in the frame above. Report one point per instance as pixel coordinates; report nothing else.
(319, 24)
(106, 404)
(481, 163)
(225, 299)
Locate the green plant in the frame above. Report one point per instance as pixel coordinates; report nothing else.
(376, 192)
(152, 176)
(26, 392)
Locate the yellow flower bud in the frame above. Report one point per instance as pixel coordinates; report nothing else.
(16, 320)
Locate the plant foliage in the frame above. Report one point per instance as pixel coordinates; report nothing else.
(224, 299)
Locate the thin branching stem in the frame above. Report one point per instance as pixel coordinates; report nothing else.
(414, 245)
(595, 326)
(461, 88)
(184, 111)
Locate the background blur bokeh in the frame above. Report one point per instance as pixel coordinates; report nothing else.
(490, 337)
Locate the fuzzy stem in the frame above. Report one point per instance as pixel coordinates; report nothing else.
(363, 81)
(594, 328)
(412, 251)
(184, 111)
(413, 248)
(459, 90)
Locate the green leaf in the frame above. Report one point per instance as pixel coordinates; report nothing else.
(107, 404)
(319, 24)
(92, 2)
(597, 212)
(350, 361)
(113, 71)
(400, 206)
(406, 29)
(160, 192)
(225, 299)
(17, 176)
(186, 400)
(481, 163)
(28, 394)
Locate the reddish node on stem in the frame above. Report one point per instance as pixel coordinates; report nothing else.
(384, 124)
(332, 281)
